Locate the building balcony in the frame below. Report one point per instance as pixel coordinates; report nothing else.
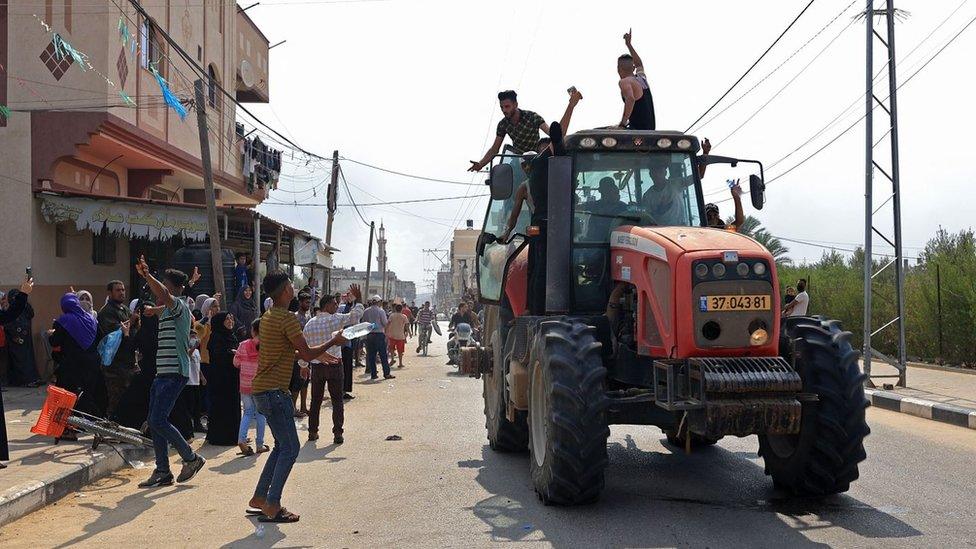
(252, 62)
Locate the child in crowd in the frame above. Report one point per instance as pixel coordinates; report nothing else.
(246, 359)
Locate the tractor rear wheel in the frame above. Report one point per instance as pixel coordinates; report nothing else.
(567, 413)
(823, 458)
(503, 435)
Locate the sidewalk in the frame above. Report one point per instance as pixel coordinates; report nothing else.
(933, 392)
(40, 472)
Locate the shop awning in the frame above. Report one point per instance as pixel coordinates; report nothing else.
(126, 219)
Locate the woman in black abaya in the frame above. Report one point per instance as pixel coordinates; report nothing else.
(224, 383)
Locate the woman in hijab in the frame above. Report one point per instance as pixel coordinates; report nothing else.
(13, 307)
(78, 366)
(223, 382)
(133, 407)
(199, 301)
(244, 312)
(87, 303)
(20, 342)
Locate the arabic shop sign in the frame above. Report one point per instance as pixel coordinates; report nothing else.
(128, 220)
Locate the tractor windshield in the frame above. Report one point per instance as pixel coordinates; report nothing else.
(632, 188)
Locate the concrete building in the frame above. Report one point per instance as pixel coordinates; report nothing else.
(341, 278)
(90, 181)
(464, 260)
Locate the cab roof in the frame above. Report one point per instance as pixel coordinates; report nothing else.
(632, 140)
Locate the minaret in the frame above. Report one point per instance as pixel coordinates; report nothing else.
(381, 258)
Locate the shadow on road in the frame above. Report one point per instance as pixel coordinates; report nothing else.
(127, 509)
(661, 496)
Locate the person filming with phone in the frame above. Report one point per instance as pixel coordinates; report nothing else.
(714, 220)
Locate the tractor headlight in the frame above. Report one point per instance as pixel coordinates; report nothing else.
(758, 337)
(742, 269)
(718, 270)
(609, 142)
(587, 142)
(664, 143)
(701, 270)
(684, 144)
(759, 268)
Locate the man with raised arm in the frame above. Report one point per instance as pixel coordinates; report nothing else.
(636, 92)
(172, 373)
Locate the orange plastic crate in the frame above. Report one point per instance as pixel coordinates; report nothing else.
(54, 414)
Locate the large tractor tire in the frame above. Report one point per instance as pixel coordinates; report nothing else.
(567, 413)
(503, 435)
(823, 458)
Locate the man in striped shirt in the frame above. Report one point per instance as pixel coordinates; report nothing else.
(425, 316)
(172, 372)
(281, 339)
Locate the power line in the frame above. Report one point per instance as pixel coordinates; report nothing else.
(788, 83)
(345, 184)
(756, 62)
(777, 68)
(387, 203)
(412, 176)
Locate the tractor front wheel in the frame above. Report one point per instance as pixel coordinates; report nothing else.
(567, 413)
(823, 458)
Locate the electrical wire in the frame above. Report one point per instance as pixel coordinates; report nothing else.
(412, 176)
(776, 68)
(756, 62)
(390, 202)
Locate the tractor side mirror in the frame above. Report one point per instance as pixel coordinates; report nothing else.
(502, 181)
(757, 191)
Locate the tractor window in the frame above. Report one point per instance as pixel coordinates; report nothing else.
(491, 263)
(632, 188)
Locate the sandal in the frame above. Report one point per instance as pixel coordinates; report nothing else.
(264, 448)
(253, 511)
(283, 515)
(245, 451)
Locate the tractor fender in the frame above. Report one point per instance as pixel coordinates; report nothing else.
(517, 282)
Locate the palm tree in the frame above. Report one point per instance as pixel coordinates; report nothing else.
(753, 228)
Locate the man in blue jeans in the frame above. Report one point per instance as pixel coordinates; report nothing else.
(281, 336)
(376, 339)
(172, 371)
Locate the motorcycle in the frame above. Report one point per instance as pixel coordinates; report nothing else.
(461, 336)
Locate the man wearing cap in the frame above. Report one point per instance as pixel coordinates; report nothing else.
(376, 338)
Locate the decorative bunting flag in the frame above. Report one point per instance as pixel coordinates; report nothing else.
(4, 111)
(171, 99)
(126, 99)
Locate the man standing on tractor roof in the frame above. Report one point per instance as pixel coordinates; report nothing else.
(636, 92)
(521, 125)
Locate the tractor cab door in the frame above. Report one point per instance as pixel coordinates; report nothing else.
(494, 256)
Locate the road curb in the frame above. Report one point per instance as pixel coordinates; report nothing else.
(927, 409)
(30, 496)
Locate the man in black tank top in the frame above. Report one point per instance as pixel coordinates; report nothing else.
(635, 91)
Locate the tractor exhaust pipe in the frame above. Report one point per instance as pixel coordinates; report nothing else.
(559, 236)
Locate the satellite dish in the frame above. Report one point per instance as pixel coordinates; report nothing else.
(247, 73)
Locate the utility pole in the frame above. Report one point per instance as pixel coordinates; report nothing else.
(871, 277)
(333, 193)
(208, 188)
(369, 257)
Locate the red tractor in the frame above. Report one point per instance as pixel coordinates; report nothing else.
(651, 318)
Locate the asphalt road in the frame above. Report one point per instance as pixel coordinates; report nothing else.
(441, 486)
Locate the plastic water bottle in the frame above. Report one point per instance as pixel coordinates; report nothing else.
(358, 330)
(259, 531)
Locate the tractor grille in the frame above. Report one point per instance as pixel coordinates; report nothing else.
(744, 375)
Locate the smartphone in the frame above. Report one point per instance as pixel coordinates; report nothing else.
(30, 273)
(571, 90)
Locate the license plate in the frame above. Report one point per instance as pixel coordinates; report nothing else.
(709, 303)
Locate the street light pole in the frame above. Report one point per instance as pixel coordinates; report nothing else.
(208, 188)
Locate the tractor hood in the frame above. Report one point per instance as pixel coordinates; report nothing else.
(686, 239)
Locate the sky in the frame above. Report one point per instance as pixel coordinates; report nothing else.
(411, 85)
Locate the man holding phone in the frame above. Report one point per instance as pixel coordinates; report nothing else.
(714, 220)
